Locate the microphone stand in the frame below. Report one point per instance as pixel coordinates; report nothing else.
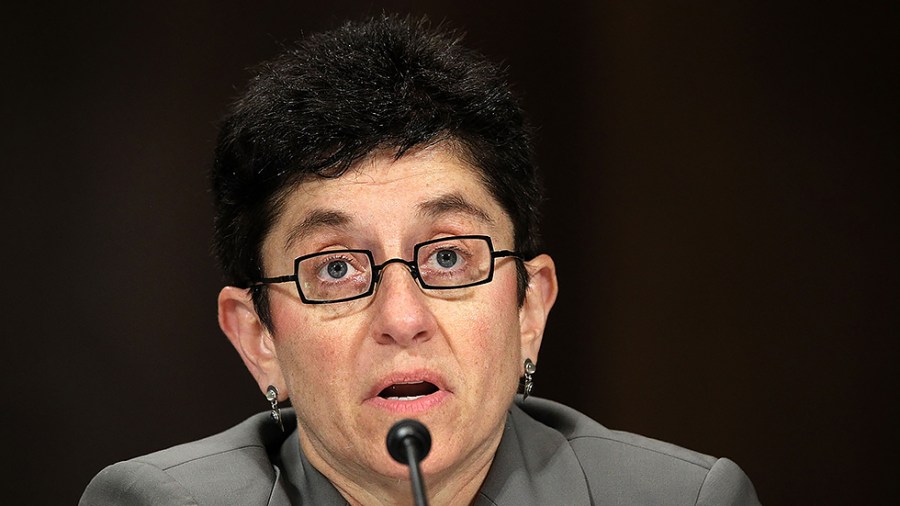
(408, 442)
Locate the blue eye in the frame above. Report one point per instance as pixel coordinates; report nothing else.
(337, 269)
(446, 258)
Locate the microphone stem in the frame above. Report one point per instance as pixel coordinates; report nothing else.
(415, 474)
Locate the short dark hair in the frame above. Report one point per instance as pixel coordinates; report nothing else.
(389, 83)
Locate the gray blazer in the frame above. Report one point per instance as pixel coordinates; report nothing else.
(549, 454)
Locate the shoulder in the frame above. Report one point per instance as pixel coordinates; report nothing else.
(228, 468)
(624, 467)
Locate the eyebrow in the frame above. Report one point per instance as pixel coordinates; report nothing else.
(317, 219)
(452, 203)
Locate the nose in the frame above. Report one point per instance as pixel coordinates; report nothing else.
(402, 314)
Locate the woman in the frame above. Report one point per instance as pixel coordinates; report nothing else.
(376, 222)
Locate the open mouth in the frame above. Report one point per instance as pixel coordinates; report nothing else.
(408, 391)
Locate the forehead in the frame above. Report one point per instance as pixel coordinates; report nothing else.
(383, 197)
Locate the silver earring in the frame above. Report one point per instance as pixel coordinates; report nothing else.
(530, 368)
(272, 397)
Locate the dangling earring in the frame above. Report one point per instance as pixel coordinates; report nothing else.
(530, 368)
(272, 397)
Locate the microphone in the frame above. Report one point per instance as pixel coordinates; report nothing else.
(409, 442)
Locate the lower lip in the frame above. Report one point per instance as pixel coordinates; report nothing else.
(419, 405)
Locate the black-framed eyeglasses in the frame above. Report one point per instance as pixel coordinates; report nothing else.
(440, 264)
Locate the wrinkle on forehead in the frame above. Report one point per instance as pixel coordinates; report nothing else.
(376, 171)
(376, 168)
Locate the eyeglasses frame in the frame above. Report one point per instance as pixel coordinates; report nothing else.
(378, 268)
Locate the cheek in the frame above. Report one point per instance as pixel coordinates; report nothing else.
(491, 328)
(310, 357)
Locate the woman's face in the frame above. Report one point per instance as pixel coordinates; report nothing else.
(449, 359)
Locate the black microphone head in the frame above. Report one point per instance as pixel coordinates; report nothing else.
(415, 432)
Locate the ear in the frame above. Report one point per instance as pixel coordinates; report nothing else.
(253, 342)
(539, 298)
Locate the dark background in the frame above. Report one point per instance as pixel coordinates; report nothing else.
(722, 202)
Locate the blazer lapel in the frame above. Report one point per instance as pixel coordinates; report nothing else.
(279, 496)
(534, 465)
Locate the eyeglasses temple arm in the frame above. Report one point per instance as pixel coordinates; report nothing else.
(277, 279)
